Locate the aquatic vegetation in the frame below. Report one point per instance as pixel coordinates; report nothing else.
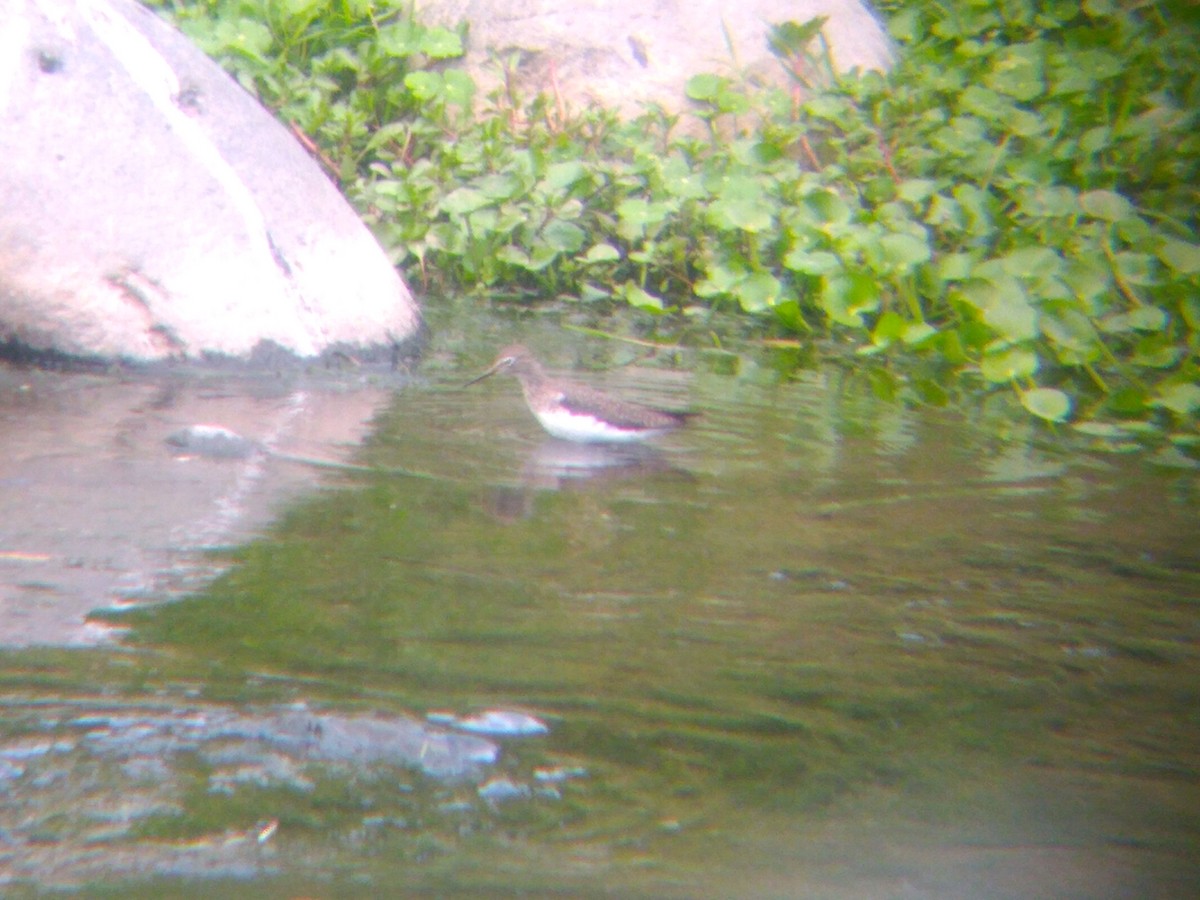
(1012, 209)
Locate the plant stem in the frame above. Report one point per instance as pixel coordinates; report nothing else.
(1126, 290)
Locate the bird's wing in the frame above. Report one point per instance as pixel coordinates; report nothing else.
(621, 414)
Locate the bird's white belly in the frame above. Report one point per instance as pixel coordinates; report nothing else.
(590, 430)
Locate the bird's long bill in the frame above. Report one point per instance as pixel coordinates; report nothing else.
(492, 371)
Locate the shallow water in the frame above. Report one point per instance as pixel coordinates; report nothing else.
(812, 646)
(97, 506)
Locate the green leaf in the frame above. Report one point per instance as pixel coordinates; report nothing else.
(590, 293)
(637, 297)
(1156, 351)
(787, 313)
(563, 236)
(902, 252)
(1013, 321)
(483, 221)
(295, 9)
(916, 190)
(846, 298)
(1032, 263)
(825, 106)
(739, 186)
(946, 214)
(1147, 318)
(680, 181)
(905, 25)
(399, 39)
(1008, 364)
(888, 329)
(423, 85)
(703, 87)
(1001, 301)
(1107, 205)
(749, 214)
(440, 43)
(759, 292)
(1128, 401)
(1179, 256)
(514, 256)
(1045, 202)
(1189, 308)
(637, 216)
(884, 385)
(719, 280)
(829, 207)
(1050, 404)
(562, 175)
(790, 39)
(976, 209)
(246, 36)
(1137, 268)
(1135, 231)
(1017, 71)
(812, 262)
(1174, 458)
(916, 333)
(951, 345)
(602, 253)
(733, 101)
(499, 186)
(1095, 139)
(1072, 335)
(1098, 9)
(463, 200)
(954, 266)
(508, 220)
(1088, 276)
(980, 101)
(963, 136)
(1024, 123)
(1106, 430)
(1181, 398)
(542, 256)
(458, 87)
(930, 391)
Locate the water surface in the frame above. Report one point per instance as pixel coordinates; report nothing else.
(812, 646)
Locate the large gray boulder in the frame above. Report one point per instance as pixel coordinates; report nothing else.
(151, 210)
(625, 54)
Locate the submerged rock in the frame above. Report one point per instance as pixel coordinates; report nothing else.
(258, 740)
(500, 723)
(76, 776)
(211, 441)
(500, 790)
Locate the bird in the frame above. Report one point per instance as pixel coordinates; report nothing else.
(575, 412)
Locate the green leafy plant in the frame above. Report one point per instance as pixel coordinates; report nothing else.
(1012, 207)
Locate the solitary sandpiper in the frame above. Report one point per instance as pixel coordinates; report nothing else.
(574, 412)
